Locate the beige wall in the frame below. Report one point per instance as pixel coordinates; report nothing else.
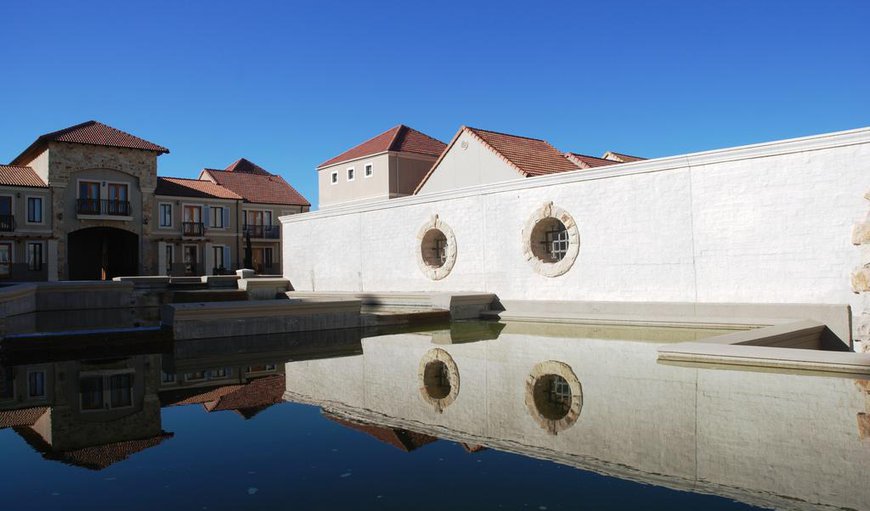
(407, 170)
(471, 165)
(375, 187)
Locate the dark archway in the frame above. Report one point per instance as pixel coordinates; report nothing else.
(100, 253)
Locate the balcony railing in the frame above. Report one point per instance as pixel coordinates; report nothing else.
(103, 207)
(272, 232)
(7, 223)
(192, 228)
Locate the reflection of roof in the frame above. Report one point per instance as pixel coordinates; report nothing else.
(585, 161)
(93, 458)
(471, 448)
(12, 175)
(21, 417)
(92, 133)
(257, 188)
(399, 138)
(180, 187)
(247, 400)
(399, 438)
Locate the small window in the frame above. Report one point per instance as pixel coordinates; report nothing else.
(170, 258)
(195, 376)
(217, 217)
(7, 383)
(369, 170)
(34, 210)
(350, 174)
(36, 384)
(267, 257)
(219, 259)
(166, 215)
(222, 373)
(34, 256)
(167, 377)
(105, 392)
(334, 177)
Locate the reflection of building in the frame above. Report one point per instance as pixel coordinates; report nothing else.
(85, 202)
(704, 430)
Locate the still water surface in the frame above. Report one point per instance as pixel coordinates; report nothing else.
(475, 416)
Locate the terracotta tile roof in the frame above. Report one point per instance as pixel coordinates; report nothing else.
(254, 397)
(256, 188)
(587, 162)
(93, 458)
(529, 156)
(21, 417)
(622, 158)
(92, 133)
(13, 175)
(402, 439)
(196, 395)
(180, 187)
(400, 138)
(472, 448)
(247, 166)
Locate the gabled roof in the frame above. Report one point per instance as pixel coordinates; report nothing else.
(246, 166)
(21, 416)
(92, 133)
(587, 162)
(401, 439)
(622, 158)
(529, 156)
(399, 138)
(257, 188)
(246, 399)
(14, 175)
(180, 187)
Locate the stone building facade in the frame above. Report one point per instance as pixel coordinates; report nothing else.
(93, 207)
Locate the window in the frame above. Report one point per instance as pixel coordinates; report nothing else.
(7, 219)
(218, 374)
(350, 174)
(369, 170)
(219, 261)
(7, 383)
(89, 198)
(267, 257)
(34, 256)
(36, 384)
(34, 210)
(258, 217)
(106, 391)
(334, 177)
(165, 215)
(262, 368)
(117, 203)
(167, 377)
(217, 217)
(190, 259)
(5, 259)
(192, 224)
(556, 241)
(170, 258)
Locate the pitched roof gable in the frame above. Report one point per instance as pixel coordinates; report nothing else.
(198, 188)
(91, 133)
(402, 439)
(246, 166)
(622, 158)
(528, 156)
(587, 162)
(257, 188)
(399, 138)
(14, 175)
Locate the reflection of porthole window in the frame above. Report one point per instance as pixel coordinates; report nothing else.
(436, 252)
(439, 379)
(551, 240)
(554, 396)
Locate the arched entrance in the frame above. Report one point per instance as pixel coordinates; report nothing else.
(100, 253)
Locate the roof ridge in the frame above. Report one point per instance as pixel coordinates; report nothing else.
(399, 130)
(506, 134)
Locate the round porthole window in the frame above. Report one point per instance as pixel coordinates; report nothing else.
(554, 396)
(439, 379)
(436, 254)
(551, 240)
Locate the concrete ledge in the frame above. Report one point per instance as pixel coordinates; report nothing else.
(221, 281)
(230, 319)
(460, 305)
(158, 280)
(85, 294)
(738, 316)
(264, 288)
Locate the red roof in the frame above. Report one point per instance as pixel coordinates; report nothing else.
(21, 417)
(402, 439)
(247, 166)
(400, 138)
(622, 158)
(256, 188)
(13, 175)
(252, 398)
(93, 133)
(199, 188)
(587, 162)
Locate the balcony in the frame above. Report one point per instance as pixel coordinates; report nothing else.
(269, 232)
(7, 223)
(192, 229)
(103, 207)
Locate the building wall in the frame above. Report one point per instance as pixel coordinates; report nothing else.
(757, 224)
(469, 162)
(361, 188)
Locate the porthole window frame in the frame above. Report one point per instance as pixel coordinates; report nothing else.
(554, 368)
(430, 271)
(440, 356)
(551, 268)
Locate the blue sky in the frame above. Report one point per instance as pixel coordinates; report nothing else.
(291, 84)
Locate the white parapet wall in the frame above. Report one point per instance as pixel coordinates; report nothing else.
(767, 223)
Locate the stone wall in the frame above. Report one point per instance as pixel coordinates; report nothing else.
(861, 283)
(767, 223)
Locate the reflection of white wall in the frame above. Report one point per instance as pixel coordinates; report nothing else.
(741, 434)
(760, 224)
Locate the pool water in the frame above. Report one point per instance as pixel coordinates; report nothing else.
(477, 416)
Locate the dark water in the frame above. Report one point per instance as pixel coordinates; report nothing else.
(345, 422)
